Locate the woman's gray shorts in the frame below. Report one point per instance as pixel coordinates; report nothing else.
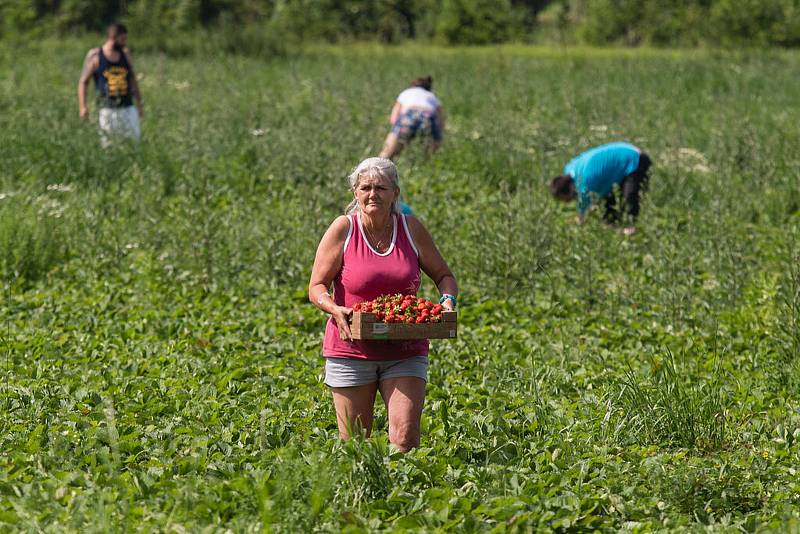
(349, 372)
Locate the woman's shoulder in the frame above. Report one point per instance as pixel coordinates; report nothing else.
(340, 225)
(337, 232)
(415, 226)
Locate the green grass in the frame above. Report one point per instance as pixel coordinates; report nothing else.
(161, 365)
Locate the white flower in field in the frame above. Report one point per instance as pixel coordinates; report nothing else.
(532, 128)
(61, 188)
(131, 246)
(710, 284)
(687, 159)
(49, 206)
(475, 135)
(6, 195)
(598, 128)
(180, 86)
(691, 153)
(259, 132)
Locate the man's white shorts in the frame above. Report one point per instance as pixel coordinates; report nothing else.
(119, 123)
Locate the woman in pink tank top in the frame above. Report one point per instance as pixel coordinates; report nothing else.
(371, 251)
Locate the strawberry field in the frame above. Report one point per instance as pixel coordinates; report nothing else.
(160, 364)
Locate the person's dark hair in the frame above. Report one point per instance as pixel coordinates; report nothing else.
(563, 188)
(116, 29)
(426, 82)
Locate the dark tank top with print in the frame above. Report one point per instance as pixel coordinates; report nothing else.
(113, 81)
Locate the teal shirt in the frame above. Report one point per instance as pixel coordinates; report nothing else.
(596, 171)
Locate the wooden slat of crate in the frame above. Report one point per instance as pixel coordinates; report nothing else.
(364, 325)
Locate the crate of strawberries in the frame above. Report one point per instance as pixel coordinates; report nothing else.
(402, 317)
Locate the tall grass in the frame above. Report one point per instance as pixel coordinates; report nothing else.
(669, 408)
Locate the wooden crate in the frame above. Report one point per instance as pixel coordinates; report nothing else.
(364, 325)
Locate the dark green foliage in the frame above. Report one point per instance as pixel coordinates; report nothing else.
(689, 22)
(474, 21)
(268, 27)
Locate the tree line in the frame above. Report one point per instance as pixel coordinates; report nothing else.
(263, 25)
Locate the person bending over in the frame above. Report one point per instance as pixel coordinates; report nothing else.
(417, 110)
(594, 174)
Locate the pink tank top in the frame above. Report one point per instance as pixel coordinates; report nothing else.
(365, 275)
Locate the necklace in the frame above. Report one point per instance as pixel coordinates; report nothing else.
(382, 244)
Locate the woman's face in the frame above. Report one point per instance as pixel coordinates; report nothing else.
(375, 194)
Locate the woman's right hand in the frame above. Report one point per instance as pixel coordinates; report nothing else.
(341, 315)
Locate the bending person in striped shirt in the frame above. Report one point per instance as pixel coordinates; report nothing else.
(593, 175)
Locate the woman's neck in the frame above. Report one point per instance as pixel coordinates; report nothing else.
(376, 222)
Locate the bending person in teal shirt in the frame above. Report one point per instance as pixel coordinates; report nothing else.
(594, 174)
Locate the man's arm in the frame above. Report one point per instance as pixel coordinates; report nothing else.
(584, 203)
(134, 83)
(89, 66)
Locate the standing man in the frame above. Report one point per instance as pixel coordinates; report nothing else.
(116, 88)
(595, 173)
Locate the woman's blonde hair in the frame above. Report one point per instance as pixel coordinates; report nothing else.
(381, 167)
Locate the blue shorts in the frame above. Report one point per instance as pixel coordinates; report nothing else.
(413, 121)
(349, 372)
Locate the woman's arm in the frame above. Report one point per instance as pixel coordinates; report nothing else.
(395, 113)
(431, 260)
(327, 264)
